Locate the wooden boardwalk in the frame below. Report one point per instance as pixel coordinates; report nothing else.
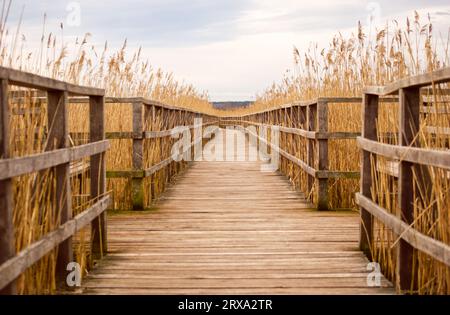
(228, 228)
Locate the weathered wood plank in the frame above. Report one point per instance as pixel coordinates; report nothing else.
(15, 266)
(221, 228)
(58, 138)
(322, 155)
(435, 77)
(7, 240)
(99, 241)
(33, 163)
(34, 81)
(409, 121)
(369, 114)
(137, 189)
(437, 158)
(436, 249)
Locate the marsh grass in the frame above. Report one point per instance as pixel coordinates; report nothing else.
(342, 70)
(121, 75)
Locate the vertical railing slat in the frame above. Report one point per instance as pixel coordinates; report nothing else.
(58, 138)
(409, 116)
(99, 243)
(311, 126)
(369, 114)
(7, 241)
(322, 155)
(137, 182)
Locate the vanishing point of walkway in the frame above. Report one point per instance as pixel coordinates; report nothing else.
(228, 228)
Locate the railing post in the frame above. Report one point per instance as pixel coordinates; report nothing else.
(58, 138)
(99, 244)
(152, 177)
(322, 155)
(409, 126)
(137, 182)
(146, 143)
(311, 126)
(302, 123)
(369, 113)
(7, 241)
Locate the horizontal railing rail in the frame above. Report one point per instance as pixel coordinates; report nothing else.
(145, 129)
(405, 158)
(309, 121)
(58, 156)
(67, 160)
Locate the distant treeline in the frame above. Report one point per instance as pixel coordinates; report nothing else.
(231, 105)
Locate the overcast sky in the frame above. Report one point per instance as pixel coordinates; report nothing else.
(231, 48)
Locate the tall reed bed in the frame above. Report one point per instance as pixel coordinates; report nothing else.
(343, 69)
(121, 75)
(431, 192)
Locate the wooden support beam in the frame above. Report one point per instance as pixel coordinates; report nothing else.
(99, 245)
(58, 138)
(7, 241)
(311, 111)
(406, 280)
(369, 131)
(148, 116)
(426, 244)
(322, 155)
(138, 164)
(18, 264)
(41, 161)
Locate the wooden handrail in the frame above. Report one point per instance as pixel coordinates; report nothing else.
(427, 79)
(10, 168)
(15, 266)
(58, 156)
(408, 156)
(34, 81)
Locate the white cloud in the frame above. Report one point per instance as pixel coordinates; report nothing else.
(233, 49)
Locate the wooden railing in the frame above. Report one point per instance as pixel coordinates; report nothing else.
(57, 156)
(145, 114)
(411, 160)
(153, 125)
(306, 123)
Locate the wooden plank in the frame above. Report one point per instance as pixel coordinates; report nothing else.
(58, 138)
(137, 190)
(311, 112)
(207, 234)
(125, 174)
(297, 131)
(37, 162)
(337, 174)
(99, 241)
(438, 130)
(131, 100)
(15, 266)
(168, 133)
(155, 168)
(435, 110)
(322, 155)
(119, 135)
(29, 80)
(314, 101)
(369, 131)
(337, 135)
(435, 77)
(434, 248)
(7, 240)
(317, 135)
(437, 158)
(303, 165)
(409, 123)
